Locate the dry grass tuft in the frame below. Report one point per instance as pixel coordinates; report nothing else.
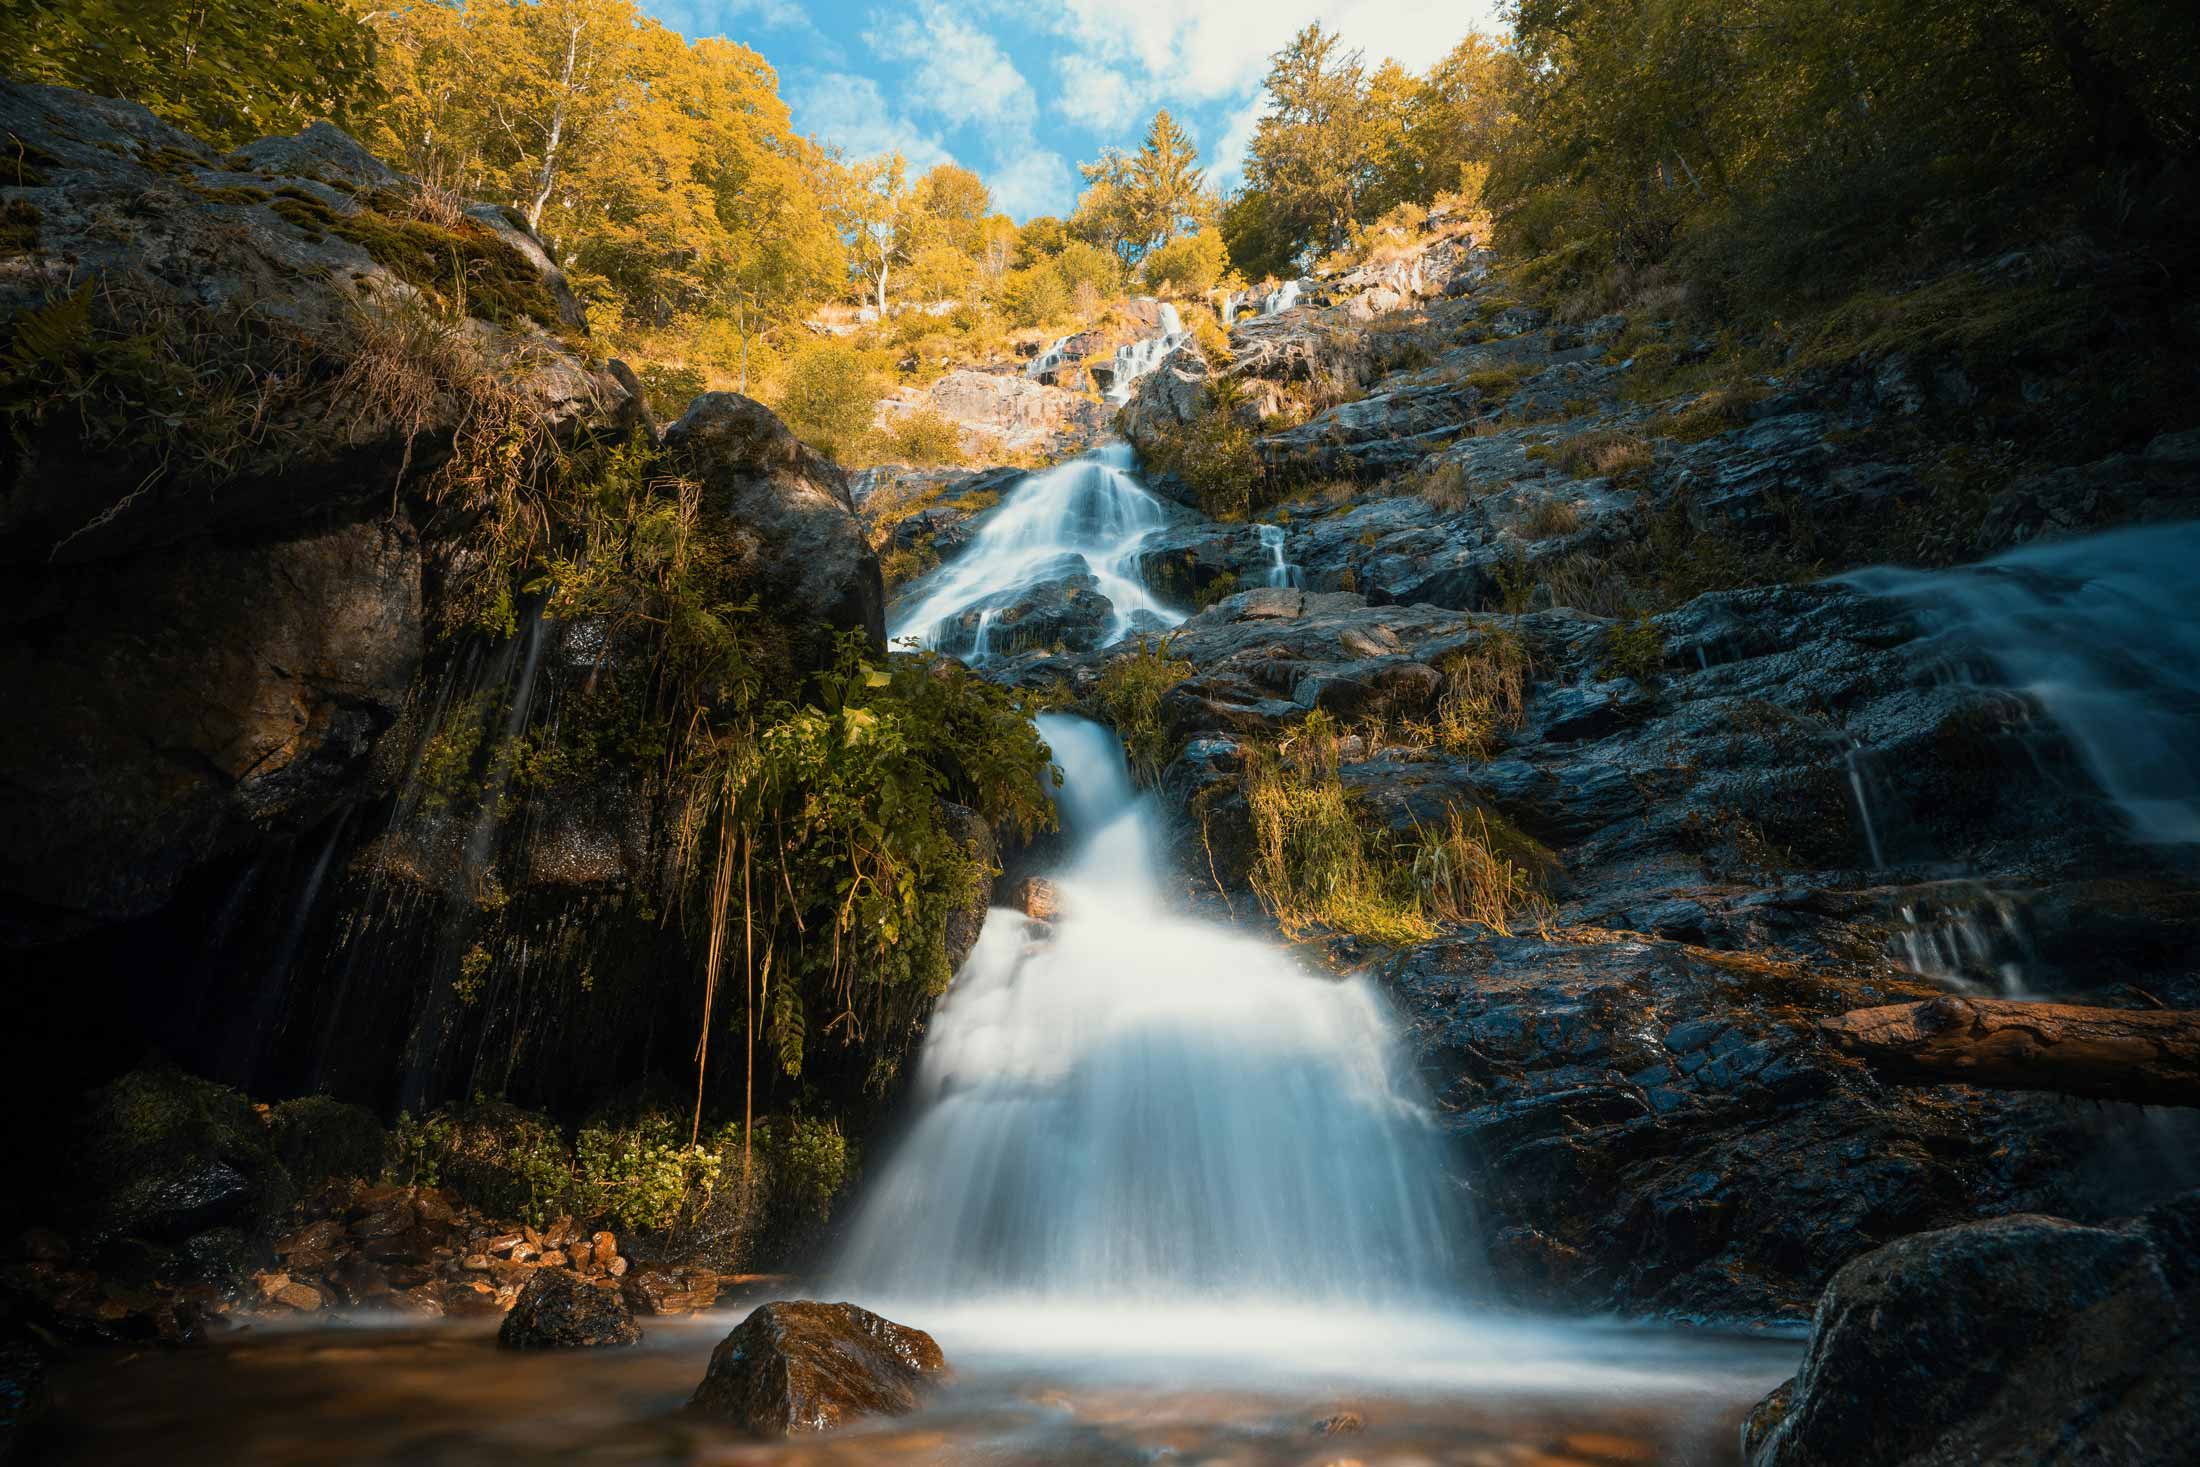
(1550, 519)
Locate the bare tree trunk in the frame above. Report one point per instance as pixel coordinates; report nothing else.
(548, 180)
(2148, 1057)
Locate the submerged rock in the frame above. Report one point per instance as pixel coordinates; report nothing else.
(796, 1365)
(2025, 1339)
(563, 1311)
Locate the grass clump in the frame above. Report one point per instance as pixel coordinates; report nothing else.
(1636, 649)
(1315, 860)
(1550, 519)
(1601, 453)
(1130, 691)
(1477, 873)
(1485, 693)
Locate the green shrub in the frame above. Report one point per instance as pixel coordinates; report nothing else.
(668, 388)
(1188, 265)
(1634, 649)
(1130, 691)
(506, 1161)
(1215, 457)
(828, 396)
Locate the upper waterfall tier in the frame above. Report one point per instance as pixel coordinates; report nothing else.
(1079, 522)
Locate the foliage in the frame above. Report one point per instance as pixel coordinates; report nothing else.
(506, 1161)
(1770, 151)
(319, 1137)
(1135, 203)
(1468, 873)
(1130, 691)
(828, 395)
(815, 1164)
(923, 438)
(642, 1174)
(1189, 265)
(228, 71)
(1636, 649)
(1214, 456)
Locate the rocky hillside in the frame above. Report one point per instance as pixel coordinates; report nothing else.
(1637, 797)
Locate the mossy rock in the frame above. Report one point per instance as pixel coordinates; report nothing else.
(318, 1137)
(466, 265)
(164, 1155)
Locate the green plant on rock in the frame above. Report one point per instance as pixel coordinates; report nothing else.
(1130, 691)
(1214, 456)
(1316, 860)
(1636, 649)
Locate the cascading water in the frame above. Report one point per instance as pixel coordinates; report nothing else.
(1138, 1105)
(1088, 516)
(2104, 634)
(1281, 299)
(1135, 359)
(1282, 574)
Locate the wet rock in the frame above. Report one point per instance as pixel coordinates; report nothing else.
(558, 1310)
(788, 508)
(1034, 896)
(318, 1137)
(163, 1155)
(1341, 1423)
(668, 1291)
(795, 1366)
(2025, 1339)
(966, 922)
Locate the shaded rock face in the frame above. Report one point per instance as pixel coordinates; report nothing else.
(561, 1311)
(205, 652)
(765, 483)
(796, 1366)
(2025, 1339)
(239, 688)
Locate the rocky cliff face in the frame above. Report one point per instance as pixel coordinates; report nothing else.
(279, 422)
(1757, 797)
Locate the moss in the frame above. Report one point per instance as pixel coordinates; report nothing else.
(1634, 649)
(177, 162)
(468, 266)
(24, 164)
(164, 1154)
(18, 227)
(319, 1138)
(231, 194)
(506, 1161)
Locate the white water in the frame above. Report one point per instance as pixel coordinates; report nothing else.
(1135, 359)
(2103, 633)
(1282, 574)
(1281, 299)
(1134, 1110)
(1088, 515)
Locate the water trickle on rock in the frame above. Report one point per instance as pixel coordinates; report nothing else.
(1282, 574)
(1130, 1104)
(1086, 518)
(2103, 633)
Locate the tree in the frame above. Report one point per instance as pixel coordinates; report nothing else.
(873, 207)
(227, 71)
(1312, 155)
(1135, 202)
(1192, 264)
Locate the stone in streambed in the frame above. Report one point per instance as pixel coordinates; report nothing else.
(797, 1365)
(559, 1310)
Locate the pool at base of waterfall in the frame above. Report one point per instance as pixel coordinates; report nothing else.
(1103, 1385)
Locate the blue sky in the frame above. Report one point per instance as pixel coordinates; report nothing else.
(1021, 92)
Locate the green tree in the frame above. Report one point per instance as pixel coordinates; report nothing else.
(228, 71)
(1312, 153)
(1135, 202)
(875, 212)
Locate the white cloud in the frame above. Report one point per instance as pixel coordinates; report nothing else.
(1098, 96)
(733, 18)
(849, 112)
(1033, 182)
(960, 73)
(1226, 159)
(1204, 50)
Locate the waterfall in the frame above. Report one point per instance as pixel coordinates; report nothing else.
(1129, 1105)
(1138, 358)
(1085, 517)
(2103, 633)
(1281, 299)
(1282, 574)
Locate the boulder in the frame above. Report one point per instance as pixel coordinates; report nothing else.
(560, 1310)
(162, 1155)
(2021, 1340)
(790, 507)
(1036, 897)
(795, 1365)
(998, 413)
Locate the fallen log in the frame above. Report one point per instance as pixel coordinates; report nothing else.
(2149, 1057)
